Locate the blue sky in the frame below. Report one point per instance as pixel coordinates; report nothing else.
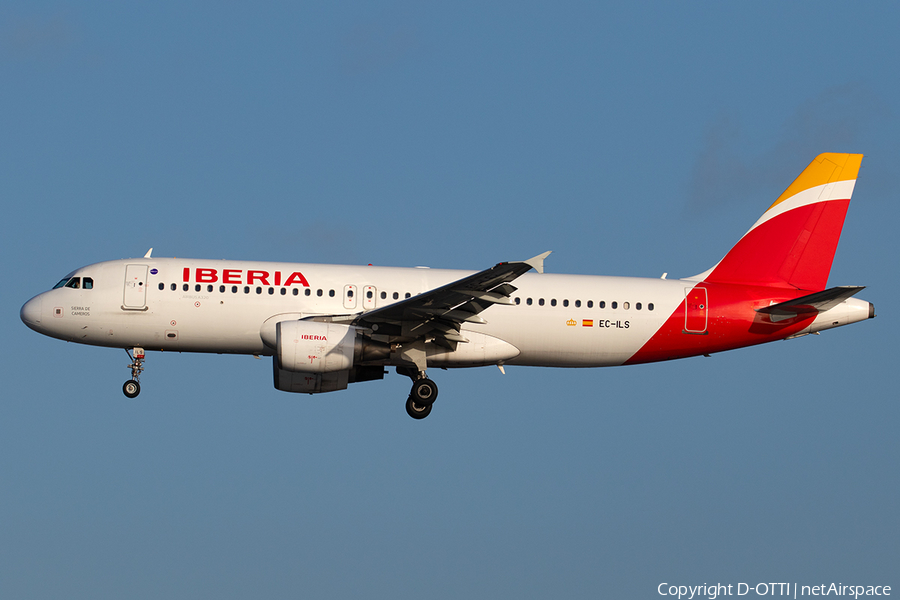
(629, 138)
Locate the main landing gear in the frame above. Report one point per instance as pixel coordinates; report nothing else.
(132, 387)
(422, 395)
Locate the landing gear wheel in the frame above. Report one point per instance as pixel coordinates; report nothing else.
(424, 392)
(131, 388)
(417, 411)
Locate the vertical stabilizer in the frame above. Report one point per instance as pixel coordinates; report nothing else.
(793, 243)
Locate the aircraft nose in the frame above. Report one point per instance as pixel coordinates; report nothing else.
(31, 312)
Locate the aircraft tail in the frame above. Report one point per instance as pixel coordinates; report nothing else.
(792, 245)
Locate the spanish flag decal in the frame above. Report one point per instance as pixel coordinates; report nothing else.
(587, 323)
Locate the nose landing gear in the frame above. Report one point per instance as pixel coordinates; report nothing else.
(132, 387)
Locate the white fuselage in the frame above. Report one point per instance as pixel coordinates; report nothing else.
(557, 320)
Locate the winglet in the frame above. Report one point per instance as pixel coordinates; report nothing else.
(537, 262)
(149, 252)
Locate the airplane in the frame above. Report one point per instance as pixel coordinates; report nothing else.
(327, 326)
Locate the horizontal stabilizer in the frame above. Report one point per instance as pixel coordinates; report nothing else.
(818, 302)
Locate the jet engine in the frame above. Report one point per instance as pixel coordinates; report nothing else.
(315, 357)
(314, 347)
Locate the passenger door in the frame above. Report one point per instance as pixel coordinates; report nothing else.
(135, 287)
(696, 310)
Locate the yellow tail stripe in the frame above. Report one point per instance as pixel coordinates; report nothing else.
(826, 168)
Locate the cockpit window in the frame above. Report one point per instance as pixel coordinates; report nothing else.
(76, 283)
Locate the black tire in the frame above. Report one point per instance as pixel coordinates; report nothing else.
(424, 391)
(131, 388)
(417, 411)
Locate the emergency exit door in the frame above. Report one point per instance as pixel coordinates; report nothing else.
(350, 297)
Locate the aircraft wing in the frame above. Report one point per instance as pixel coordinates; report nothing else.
(438, 313)
(818, 302)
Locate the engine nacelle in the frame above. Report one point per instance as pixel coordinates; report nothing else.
(317, 383)
(314, 347)
(309, 383)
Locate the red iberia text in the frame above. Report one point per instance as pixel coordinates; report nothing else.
(250, 277)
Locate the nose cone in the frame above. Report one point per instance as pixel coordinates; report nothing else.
(31, 312)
